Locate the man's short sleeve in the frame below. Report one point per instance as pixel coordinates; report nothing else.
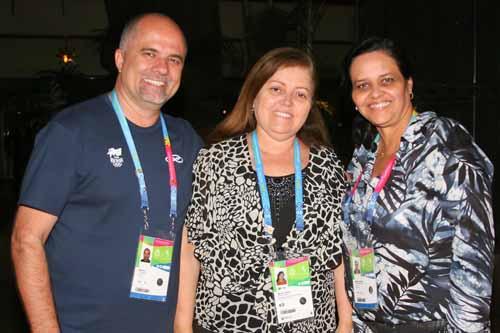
(51, 172)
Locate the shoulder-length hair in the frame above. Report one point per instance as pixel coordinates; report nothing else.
(242, 120)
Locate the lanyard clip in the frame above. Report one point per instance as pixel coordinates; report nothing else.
(145, 211)
(280, 254)
(172, 223)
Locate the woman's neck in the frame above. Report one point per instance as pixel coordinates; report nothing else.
(278, 155)
(390, 137)
(388, 144)
(272, 147)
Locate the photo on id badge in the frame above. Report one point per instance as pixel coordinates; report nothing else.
(146, 255)
(281, 279)
(356, 270)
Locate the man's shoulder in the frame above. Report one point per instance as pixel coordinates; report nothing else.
(89, 111)
(183, 136)
(179, 127)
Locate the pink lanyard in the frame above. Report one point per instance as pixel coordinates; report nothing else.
(373, 199)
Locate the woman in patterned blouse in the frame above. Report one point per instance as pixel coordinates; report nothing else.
(431, 226)
(225, 276)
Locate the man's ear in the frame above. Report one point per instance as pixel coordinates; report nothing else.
(119, 59)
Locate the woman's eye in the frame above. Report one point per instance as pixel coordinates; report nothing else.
(275, 89)
(361, 86)
(387, 80)
(302, 94)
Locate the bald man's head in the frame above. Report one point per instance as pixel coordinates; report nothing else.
(131, 27)
(149, 62)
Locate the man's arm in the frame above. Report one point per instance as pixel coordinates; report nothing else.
(31, 230)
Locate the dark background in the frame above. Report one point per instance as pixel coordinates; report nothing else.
(454, 46)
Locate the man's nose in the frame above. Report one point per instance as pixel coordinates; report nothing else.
(162, 66)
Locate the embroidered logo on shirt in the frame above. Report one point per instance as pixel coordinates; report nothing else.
(177, 159)
(115, 157)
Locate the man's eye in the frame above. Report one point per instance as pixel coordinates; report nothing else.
(175, 61)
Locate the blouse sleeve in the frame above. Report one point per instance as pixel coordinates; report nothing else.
(197, 215)
(469, 175)
(329, 254)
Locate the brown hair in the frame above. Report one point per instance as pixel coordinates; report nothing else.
(242, 120)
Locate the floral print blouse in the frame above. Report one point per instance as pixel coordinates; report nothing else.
(432, 229)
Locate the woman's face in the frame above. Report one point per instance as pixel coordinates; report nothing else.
(283, 103)
(379, 90)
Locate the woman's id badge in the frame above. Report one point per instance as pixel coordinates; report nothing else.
(152, 268)
(364, 279)
(291, 281)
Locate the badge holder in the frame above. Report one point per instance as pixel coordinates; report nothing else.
(291, 282)
(153, 259)
(153, 263)
(362, 264)
(291, 278)
(361, 251)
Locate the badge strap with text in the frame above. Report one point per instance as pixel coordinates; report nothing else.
(154, 255)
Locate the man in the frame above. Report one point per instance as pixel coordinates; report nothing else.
(145, 255)
(81, 213)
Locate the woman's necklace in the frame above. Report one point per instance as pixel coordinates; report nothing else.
(382, 153)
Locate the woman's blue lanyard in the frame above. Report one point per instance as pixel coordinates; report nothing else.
(264, 194)
(138, 167)
(370, 209)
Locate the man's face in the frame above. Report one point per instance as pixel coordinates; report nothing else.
(151, 63)
(146, 254)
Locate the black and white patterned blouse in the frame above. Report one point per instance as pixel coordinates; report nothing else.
(433, 228)
(225, 224)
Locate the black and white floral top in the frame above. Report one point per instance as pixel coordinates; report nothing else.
(225, 224)
(432, 228)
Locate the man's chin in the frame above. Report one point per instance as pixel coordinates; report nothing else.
(156, 101)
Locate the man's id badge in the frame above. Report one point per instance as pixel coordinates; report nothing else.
(364, 279)
(152, 268)
(291, 281)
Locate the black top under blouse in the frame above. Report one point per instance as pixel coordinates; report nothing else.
(282, 199)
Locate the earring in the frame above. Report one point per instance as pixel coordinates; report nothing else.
(411, 95)
(252, 109)
(356, 108)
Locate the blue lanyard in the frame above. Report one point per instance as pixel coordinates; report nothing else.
(138, 167)
(264, 194)
(370, 210)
